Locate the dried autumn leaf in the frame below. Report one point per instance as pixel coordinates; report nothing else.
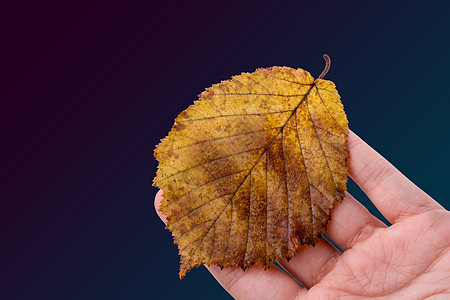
(252, 169)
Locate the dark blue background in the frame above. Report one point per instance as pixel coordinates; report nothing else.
(89, 89)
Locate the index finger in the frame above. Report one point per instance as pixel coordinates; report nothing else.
(390, 191)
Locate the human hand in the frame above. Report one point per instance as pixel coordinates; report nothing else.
(408, 260)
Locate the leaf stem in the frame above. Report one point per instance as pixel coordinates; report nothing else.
(327, 66)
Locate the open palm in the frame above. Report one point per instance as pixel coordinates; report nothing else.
(408, 260)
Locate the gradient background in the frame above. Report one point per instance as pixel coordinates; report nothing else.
(88, 90)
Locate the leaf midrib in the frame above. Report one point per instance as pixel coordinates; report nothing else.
(247, 176)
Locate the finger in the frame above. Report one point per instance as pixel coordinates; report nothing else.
(351, 223)
(310, 264)
(158, 199)
(392, 193)
(255, 283)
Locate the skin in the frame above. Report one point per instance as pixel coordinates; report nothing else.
(408, 260)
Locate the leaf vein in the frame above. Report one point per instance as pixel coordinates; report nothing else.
(257, 82)
(306, 173)
(287, 190)
(209, 182)
(191, 229)
(208, 162)
(197, 208)
(287, 80)
(320, 142)
(220, 138)
(248, 222)
(326, 107)
(236, 115)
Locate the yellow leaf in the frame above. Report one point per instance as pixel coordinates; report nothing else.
(252, 169)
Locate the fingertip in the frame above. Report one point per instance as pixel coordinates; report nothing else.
(158, 199)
